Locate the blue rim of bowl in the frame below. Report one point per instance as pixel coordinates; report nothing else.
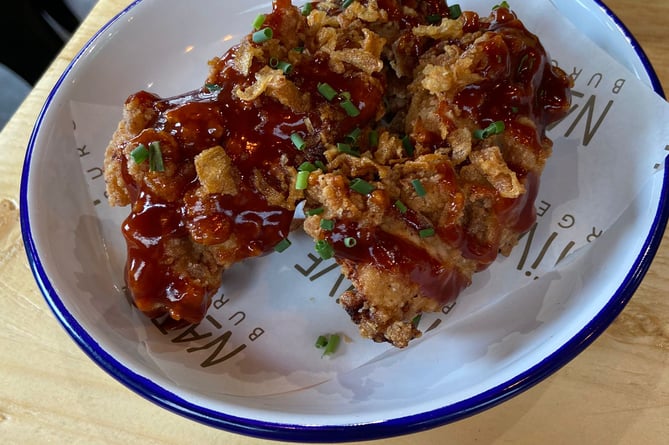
(365, 431)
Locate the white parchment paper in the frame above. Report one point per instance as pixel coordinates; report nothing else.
(258, 337)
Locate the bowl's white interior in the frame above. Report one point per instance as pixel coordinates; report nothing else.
(148, 50)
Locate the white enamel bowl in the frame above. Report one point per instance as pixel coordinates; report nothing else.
(163, 45)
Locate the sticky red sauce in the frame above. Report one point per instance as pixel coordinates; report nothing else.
(519, 80)
(391, 253)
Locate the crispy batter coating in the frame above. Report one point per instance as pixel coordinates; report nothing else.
(425, 159)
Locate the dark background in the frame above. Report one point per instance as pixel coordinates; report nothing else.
(34, 31)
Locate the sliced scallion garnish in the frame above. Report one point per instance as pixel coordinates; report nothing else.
(316, 211)
(350, 108)
(140, 154)
(298, 141)
(262, 35)
(333, 344)
(361, 186)
(426, 233)
(418, 187)
(349, 241)
(321, 165)
(492, 129)
(408, 145)
(259, 21)
(353, 136)
(373, 138)
(282, 245)
(321, 341)
(327, 224)
(307, 167)
(306, 9)
(326, 91)
(401, 207)
(328, 343)
(454, 11)
(302, 180)
(155, 157)
(324, 249)
(346, 148)
(284, 66)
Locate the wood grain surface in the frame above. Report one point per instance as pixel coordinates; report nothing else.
(616, 392)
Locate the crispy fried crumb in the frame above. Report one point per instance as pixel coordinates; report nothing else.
(216, 172)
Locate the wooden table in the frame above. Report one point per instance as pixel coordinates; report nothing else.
(616, 392)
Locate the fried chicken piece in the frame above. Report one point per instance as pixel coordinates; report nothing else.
(457, 189)
(422, 136)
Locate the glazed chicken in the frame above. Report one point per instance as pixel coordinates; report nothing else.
(413, 132)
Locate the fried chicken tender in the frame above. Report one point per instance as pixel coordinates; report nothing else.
(423, 137)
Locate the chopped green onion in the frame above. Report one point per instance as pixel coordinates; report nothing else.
(426, 233)
(346, 148)
(353, 136)
(155, 157)
(350, 108)
(326, 91)
(349, 241)
(504, 4)
(298, 141)
(316, 211)
(329, 343)
(324, 249)
(454, 11)
(286, 67)
(401, 207)
(299, 49)
(333, 344)
(492, 129)
(139, 154)
(433, 19)
(283, 245)
(258, 22)
(514, 110)
(302, 180)
(346, 3)
(498, 127)
(416, 320)
(327, 224)
(306, 9)
(307, 167)
(212, 87)
(373, 139)
(361, 186)
(418, 187)
(321, 341)
(320, 165)
(262, 35)
(273, 62)
(153, 154)
(408, 146)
